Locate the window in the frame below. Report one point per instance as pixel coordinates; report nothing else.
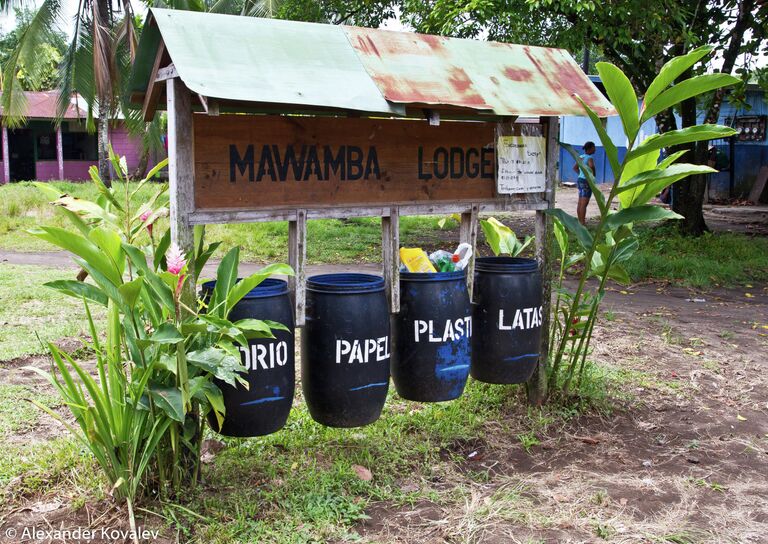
(79, 146)
(46, 147)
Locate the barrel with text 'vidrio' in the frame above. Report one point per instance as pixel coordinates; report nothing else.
(263, 408)
(507, 317)
(345, 349)
(431, 336)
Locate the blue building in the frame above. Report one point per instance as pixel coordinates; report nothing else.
(746, 153)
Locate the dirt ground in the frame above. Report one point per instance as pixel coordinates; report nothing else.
(682, 458)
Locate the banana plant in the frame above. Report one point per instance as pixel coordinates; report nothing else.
(639, 177)
(502, 239)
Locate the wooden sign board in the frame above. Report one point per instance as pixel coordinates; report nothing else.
(269, 162)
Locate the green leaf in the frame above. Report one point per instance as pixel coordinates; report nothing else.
(109, 241)
(561, 236)
(218, 362)
(204, 256)
(573, 225)
(74, 243)
(167, 362)
(79, 289)
(633, 168)
(622, 96)
(86, 208)
(677, 137)
(687, 89)
(167, 333)
(131, 290)
(646, 185)
(587, 171)
(674, 69)
(668, 161)
(275, 326)
(236, 292)
(168, 399)
(502, 239)
(639, 213)
(226, 277)
(161, 249)
(618, 274)
(255, 328)
(608, 146)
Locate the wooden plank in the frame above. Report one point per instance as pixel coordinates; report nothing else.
(268, 162)
(759, 186)
(390, 245)
(537, 385)
(181, 176)
(468, 235)
(152, 96)
(225, 216)
(297, 257)
(166, 73)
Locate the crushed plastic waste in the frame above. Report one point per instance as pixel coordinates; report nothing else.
(417, 260)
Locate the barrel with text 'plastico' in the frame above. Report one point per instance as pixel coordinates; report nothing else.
(345, 349)
(431, 336)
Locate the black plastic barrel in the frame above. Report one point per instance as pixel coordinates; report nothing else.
(345, 349)
(263, 408)
(507, 316)
(431, 336)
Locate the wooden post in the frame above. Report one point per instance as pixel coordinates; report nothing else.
(297, 256)
(537, 385)
(468, 234)
(60, 152)
(181, 172)
(390, 246)
(6, 157)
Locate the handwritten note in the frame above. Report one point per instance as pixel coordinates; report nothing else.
(521, 164)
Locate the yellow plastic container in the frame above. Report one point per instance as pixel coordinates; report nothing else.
(415, 259)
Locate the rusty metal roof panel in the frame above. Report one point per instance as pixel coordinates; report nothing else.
(272, 61)
(44, 105)
(506, 79)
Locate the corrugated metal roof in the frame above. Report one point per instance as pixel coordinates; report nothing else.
(268, 61)
(505, 78)
(44, 105)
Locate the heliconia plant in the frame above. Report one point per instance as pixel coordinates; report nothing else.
(159, 361)
(638, 178)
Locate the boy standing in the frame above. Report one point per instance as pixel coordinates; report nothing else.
(585, 191)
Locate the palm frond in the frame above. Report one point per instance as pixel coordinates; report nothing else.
(39, 31)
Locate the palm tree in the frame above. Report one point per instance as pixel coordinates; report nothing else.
(95, 65)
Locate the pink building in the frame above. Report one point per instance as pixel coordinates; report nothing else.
(42, 151)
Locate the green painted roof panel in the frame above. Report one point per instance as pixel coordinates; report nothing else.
(269, 61)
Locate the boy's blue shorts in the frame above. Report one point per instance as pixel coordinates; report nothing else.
(585, 191)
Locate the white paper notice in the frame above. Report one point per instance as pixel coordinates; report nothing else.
(521, 164)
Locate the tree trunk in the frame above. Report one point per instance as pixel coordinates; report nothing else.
(141, 168)
(103, 143)
(688, 193)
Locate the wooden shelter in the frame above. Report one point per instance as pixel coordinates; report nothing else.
(344, 121)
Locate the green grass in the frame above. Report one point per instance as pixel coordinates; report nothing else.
(28, 310)
(16, 412)
(713, 259)
(355, 240)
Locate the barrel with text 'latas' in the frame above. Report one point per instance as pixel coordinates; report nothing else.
(264, 406)
(345, 349)
(507, 318)
(431, 336)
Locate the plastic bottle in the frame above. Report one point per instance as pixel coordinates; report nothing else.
(464, 254)
(446, 264)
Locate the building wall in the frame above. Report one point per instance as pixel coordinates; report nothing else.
(748, 158)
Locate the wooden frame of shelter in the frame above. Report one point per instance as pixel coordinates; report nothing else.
(306, 85)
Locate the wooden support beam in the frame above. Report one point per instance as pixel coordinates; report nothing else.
(390, 245)
(6, 157)
(537, 385)
(297, 256)
(181, 173)
(155, 88)
(468, 234)
(164, 74)
(60, 152)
